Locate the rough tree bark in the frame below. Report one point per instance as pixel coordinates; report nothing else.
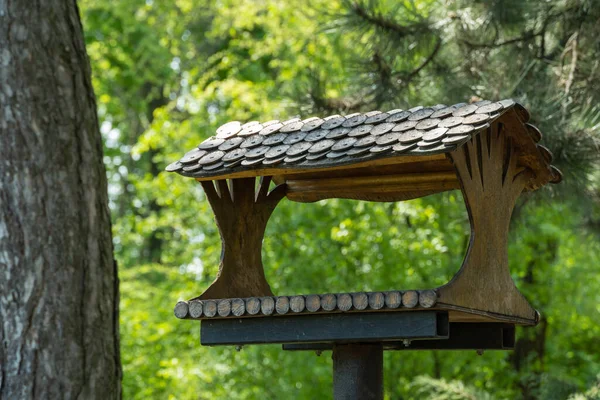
(58, 279)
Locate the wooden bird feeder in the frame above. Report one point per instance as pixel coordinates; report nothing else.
(486, 149)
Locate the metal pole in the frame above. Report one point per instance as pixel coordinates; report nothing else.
(358, 371)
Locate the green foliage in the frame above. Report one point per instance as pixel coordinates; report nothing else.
(440, 389)
(167, 74)
(592, 394)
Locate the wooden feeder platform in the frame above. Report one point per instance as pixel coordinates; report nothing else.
(487, 149)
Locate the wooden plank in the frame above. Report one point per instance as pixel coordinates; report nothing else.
(324, 327)
(400, 195)
(404, 165)
(463, 336)
(430, 181)
(372, 188)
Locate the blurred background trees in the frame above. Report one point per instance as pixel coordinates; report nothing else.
(167, 74)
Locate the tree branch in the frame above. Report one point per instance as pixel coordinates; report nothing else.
(571, 77)
(525, 37)
(329, 105)
(424, 64)
(528, 35)
(389, 25)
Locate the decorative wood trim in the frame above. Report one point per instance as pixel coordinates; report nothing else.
(491, 179)
(196, 309)
(181, 309)
(528, 154)
(241, 212)
(395, 301)
(312, 303)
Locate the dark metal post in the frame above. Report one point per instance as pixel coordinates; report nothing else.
(358, 372)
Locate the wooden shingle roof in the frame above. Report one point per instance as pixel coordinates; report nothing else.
(370, 144)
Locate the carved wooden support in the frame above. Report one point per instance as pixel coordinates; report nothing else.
(241, 212)
(491, 181)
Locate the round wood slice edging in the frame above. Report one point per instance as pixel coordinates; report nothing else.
(181, 309)
(410, 298)
(195, 308)
(282, 305)
(224, 307)
(393, 299)
(267, 305)
(376, 300)
(313, 303)
(210, 308)
(328, 302)
(427, 298)
(344, 302)
(360, 301)
(238, 307)
(297, 303)
(252, 306)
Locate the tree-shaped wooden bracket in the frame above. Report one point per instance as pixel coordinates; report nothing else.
(487, 149)
(241, 213)
(491, 181)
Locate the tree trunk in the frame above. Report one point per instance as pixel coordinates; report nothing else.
(58, 280)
